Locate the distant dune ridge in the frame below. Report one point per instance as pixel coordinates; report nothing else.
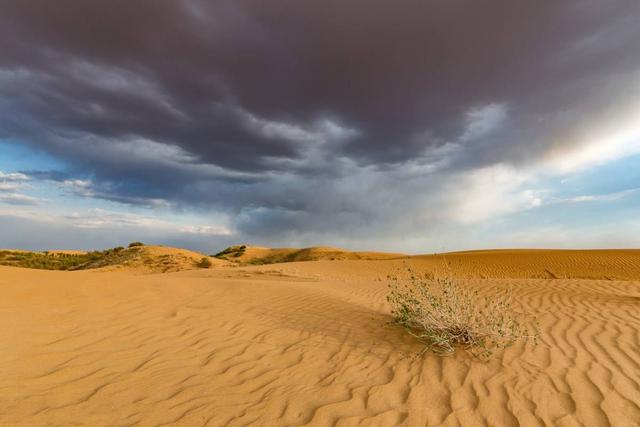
(140, 258)
(256, 255)
(309, 343)
(623, 264)
(606, 264)
(163, 259)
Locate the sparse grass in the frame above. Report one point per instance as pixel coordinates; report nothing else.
(204, 263)
(445, 316)
(273, 259)
(61, 261)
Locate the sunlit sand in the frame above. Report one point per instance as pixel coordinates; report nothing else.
(309, 343)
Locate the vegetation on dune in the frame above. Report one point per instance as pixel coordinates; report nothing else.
(231, 252)
(204, 263)
(445, 316)
(135, 244)
(63, 261)
(137, 257)
(273, 259)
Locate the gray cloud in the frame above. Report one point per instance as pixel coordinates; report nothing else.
(309, 117)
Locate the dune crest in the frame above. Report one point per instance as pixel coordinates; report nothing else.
(164, 259)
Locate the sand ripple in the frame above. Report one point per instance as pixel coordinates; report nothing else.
(289, 345)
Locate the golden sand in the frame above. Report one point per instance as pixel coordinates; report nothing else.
(307, 343)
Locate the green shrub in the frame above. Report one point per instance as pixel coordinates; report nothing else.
(204, 263)
(231, 251)
(61, 261)
(135, 244)
(444, 316)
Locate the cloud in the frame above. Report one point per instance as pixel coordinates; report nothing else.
(482, 121)
(492, 192)
(303, 120)
(103, 219)
(19, 199)
(13, 177)
(54, 232)
(600, 145)
(96, 228)
(205, 230)
(11, 185)
(609, 197)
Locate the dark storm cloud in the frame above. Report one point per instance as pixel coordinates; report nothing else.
(263, 107)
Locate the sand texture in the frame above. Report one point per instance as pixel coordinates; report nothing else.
(621, 264)
(307, 343)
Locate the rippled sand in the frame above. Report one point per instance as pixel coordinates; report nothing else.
(306, 343)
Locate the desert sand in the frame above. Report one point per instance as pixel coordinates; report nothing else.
(308, 343)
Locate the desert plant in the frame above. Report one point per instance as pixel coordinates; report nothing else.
(231, 251)
(204, 263)
(135, 244)
(445, 316)
(63, 261)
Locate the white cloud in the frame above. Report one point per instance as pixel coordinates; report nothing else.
(13, 176)
(102, 219)
(11, 182)
(206, 230)
(80, 187)
(609, 197)
(492, 191)
(20, 199)
(484, 120)
(10, 186)
(105, 219)
(602, 144)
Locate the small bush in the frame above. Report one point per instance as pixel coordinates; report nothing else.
(204, 263)
(444, 316)
(135, 244)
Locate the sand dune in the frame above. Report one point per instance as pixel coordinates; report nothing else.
(306, 344)
(256, 255)
(521, 264)
(537, 264)
(163, 259)
(141, 259)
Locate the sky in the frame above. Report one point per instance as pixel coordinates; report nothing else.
(408, 125)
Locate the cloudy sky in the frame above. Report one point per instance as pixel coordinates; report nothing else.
(408, 125)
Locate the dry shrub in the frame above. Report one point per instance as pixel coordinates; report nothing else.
(445, 316)
(62, 261)
(204, 263)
